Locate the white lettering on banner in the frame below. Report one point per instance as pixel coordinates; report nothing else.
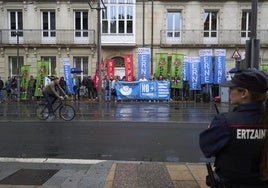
(206, 69)
(143, 65)
(250, 133)
(220, 70)
(145, 88)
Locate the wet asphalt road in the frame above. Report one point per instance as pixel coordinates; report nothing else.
(138, 131)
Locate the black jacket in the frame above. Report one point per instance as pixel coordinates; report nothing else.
(236, 140)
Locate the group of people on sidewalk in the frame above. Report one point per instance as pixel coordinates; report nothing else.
(9, 90)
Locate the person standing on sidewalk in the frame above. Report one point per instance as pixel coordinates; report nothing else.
(90, 87)
(31, 88)
(107, 86)
(236, 138)
(76, 87)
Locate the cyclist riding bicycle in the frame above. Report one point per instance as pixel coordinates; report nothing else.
(50, 93)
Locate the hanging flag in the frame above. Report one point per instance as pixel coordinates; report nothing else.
(110, 68)
(176, 69)
(185, 68)
(96, 79)
(42, 72)
(206, 69)
(161, 64)
(144, 56)
(67, 75)
(25, 77)
(129, 73)
(194, 73)
(220, 70)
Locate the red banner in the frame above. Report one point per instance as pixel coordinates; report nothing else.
(110, 68)
(96, 79)
(129, 67)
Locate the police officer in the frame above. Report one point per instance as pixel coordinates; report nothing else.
(236, 138)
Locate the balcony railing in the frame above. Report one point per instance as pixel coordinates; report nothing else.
(37, 37)
(88, 37)
(196, 37)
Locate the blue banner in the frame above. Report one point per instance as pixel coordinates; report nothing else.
(206, 69)
(220, 70)
(145, 90)
(185, 69)
(67, 75)
(144, 55)
(194, 73)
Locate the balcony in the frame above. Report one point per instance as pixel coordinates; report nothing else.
(48, 37)
(196, 38)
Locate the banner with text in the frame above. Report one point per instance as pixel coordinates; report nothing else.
(194, 73)
(67, 75)
(129, 72)
(161, 64)
(176, 70)
(144, 55)
(145, 90)
(25, 77)
(206, 69)
(110, 64)
(42, 72)
(219, 69)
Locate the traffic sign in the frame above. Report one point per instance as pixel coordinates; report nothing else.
(236, 55)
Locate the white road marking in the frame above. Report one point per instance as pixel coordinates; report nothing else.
(51, 160)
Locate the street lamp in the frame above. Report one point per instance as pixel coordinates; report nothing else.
(17, 33)
(99, 8)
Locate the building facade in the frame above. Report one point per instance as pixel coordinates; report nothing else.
(52, 30)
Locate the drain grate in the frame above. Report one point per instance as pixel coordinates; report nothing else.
(29, 177)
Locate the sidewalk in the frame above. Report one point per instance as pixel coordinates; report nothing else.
(109, 174)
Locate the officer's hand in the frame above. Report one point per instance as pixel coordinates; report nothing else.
(61, 98)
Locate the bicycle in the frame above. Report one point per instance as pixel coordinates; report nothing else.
(66, 111)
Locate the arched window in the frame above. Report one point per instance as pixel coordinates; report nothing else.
(119, 61)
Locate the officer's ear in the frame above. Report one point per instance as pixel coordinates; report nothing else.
(244, 93)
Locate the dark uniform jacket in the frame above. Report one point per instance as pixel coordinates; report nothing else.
(236, 140)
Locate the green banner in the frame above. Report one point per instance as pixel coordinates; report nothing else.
(162, 64)
(264, 67)
(176, 70)
(42, 72)
(25, 77)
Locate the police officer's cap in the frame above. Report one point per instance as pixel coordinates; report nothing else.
(250, 79)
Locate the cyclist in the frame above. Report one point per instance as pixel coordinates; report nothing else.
(51, 94)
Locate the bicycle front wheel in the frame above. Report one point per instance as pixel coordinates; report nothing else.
(42, 111)
(67, 112)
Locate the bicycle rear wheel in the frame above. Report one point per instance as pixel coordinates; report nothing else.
(67, 112)
(42, 111)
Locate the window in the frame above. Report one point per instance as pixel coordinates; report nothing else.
(51, 65)
(118, 16)
(245, 24)
(81, 24)
(16, 23)
(14, 66)
(48, 23)
(210, 24)
(173, 24)
(119, 61)
(82, 63)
